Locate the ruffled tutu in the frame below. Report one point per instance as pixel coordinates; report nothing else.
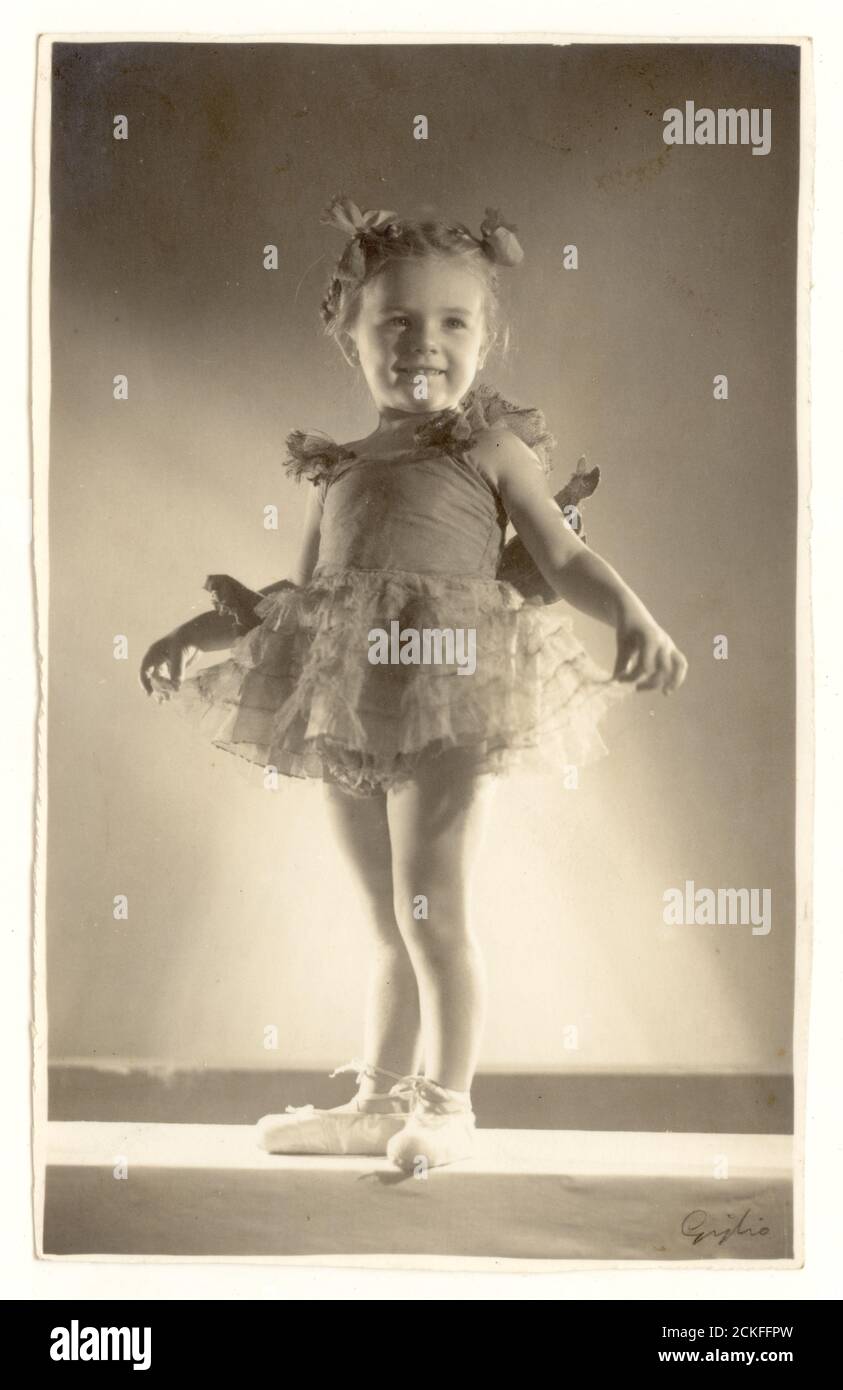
(298, 692)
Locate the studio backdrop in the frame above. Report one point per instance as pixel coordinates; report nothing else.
(239, 914)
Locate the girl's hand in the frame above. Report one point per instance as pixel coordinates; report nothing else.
(164, 665)
(657, 664)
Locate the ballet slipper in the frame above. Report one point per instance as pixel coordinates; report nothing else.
(362, 1126)
(440, 1128)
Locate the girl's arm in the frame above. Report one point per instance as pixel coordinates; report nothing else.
(164, 663)
(214, 631)
(574, 570)
(310, 540)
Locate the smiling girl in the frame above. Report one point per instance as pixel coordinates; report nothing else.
(408, 525)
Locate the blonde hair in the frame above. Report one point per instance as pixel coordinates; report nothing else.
(380, 239)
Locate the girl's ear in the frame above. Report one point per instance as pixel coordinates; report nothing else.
(488, 344)
(348, 348)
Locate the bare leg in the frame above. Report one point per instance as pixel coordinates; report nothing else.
(391, 1037)
(436, 823)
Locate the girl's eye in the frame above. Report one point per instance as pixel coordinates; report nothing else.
(455, 322)
(399, 318)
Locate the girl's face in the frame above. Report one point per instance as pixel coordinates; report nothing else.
(420, 334)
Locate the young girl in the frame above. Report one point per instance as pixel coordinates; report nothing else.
(403, 670)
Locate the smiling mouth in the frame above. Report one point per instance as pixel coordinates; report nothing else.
(420, 371)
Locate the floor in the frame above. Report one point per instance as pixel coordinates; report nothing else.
(528, 1194)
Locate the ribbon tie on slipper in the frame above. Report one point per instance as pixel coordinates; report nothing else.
(413, 1087)
(420, 1088)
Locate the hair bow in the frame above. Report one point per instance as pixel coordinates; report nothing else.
(498, 239)
(343, 213)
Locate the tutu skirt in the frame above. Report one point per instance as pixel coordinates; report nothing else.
(298, 692)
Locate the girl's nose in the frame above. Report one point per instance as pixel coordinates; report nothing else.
(424, 342)
(423, 338)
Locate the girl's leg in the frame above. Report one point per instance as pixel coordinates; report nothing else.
(436, 822)
(392, 1023)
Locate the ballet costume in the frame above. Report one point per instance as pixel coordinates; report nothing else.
(410, 543)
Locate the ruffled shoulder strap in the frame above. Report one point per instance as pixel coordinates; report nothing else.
(313, 455)
(481, 408)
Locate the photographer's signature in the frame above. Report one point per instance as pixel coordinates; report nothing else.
(698, 1225)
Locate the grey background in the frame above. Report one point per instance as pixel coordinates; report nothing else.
(241, 913)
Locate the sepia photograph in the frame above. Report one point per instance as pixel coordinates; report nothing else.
(423, 874)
